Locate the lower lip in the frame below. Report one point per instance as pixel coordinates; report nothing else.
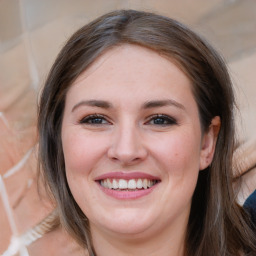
(118, 194)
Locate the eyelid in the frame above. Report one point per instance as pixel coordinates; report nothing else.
(93, 116)
(170, 119)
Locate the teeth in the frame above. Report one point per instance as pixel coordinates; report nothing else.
(131, 184)
(139, 183)
(115, 184)
(123, 184)
(145, 184)
(109, 184)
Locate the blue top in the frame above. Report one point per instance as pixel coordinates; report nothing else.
(250, 206)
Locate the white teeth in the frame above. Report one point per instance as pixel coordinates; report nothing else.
(109, 184)
(123, 184)
(139, 183)
(145, 184)
(115, 184)
(131, 184)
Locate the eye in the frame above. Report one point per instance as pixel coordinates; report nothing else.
(94, 120)
(162, 120)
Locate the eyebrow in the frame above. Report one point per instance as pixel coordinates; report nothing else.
(93, 103)
(146, 105)
(162, 103)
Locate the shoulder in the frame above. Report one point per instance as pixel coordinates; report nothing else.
(250, 206)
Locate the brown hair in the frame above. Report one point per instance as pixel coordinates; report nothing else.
(217, 225)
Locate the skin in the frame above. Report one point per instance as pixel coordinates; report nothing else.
(127, 137)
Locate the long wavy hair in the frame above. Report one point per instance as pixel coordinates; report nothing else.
(217, 226)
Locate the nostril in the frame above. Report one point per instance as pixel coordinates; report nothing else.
(127, 158)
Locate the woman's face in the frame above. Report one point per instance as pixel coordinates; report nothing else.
(132, 143)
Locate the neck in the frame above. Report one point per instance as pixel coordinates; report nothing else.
(164, 243)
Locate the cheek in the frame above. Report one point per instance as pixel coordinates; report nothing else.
(81, 151)
(179, 154)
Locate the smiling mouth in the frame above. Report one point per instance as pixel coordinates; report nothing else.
(128, 185)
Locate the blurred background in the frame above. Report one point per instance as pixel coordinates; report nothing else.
(32, 32)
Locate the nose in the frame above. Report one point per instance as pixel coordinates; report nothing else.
(127, 146)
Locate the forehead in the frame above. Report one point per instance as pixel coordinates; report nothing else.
(131, 65)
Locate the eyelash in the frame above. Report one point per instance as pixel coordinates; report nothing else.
(164, 120)
(92, 118)
(96, 119)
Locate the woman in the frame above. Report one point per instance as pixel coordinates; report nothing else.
(136, 141)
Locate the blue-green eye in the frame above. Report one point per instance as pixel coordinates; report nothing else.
(160, 119)
(94, 120)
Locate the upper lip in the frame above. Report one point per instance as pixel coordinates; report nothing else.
(126, 176)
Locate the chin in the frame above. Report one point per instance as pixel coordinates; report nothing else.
(129, 223)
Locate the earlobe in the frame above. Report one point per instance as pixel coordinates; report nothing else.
(209, 142)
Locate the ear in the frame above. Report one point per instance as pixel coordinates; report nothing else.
(208, 144)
